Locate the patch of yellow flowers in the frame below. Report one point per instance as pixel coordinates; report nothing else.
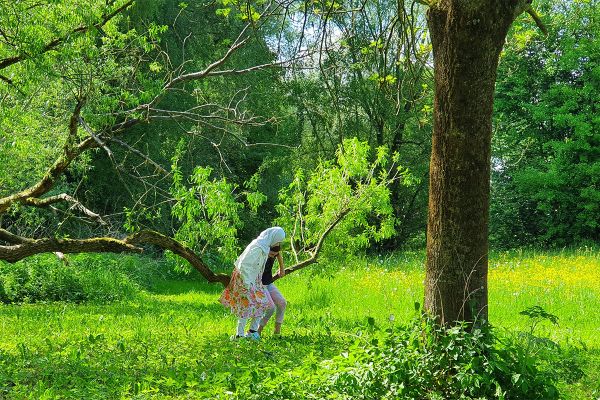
(572, 271)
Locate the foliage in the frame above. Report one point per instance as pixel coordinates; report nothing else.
(418, 360)
(563, 363)
(352, 185)
(114, 66)
(208, 213)
(547, 144)
(85, 278)
(372, 80)
(424, 360)
(350, 196)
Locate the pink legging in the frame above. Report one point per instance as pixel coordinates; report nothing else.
(279, 308)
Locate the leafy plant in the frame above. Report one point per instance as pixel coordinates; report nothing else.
(422, 360)
(208, 212)
(93, 278)
(564, 362)
(351, 194)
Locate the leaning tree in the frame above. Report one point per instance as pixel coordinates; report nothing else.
(116, 81)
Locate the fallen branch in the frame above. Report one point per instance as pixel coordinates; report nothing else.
(168, 243)
(30, 247)
(21, 248)
(315, 251)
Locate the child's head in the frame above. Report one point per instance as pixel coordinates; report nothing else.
(274, 250)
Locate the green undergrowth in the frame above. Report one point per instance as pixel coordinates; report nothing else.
(351, 332)
(95, 277)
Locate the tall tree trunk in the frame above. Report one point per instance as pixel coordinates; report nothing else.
(467, 37)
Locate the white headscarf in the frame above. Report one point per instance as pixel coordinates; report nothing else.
(252, 261)
(268, 238)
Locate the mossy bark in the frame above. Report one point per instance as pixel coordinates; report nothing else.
(467, 38)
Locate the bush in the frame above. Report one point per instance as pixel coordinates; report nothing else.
(87, 277)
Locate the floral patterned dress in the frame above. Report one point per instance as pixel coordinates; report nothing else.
(246, 301)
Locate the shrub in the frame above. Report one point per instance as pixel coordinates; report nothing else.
(417, 361)
(87, 277)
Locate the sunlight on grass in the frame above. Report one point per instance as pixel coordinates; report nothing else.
(564, 284)
(162, 338)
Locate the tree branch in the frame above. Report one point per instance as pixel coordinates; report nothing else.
(21, 248)
(11, 83)
(168, 243)
(239, 42)
(538, 21)
(135, 151)
(31, 247)
(6, 62)
(11, 238)
(36, 202)
(315, 251)
(70, 152)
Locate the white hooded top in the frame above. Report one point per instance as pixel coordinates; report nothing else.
(252, 260)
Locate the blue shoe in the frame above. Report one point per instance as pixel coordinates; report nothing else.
(253, 335)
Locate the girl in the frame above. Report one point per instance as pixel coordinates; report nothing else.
(245, 295)
(276, 296)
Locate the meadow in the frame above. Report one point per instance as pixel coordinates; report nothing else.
(135, 329)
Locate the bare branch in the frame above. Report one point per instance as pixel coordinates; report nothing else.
(36, 202)
(315, 251)
(89, 130)
(239, 42)
(142, 155)
(254, 68)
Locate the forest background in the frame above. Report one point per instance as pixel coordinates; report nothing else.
(257, 129)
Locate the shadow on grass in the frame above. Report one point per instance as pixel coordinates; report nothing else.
(179, 286)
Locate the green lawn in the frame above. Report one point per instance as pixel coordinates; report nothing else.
(171, 340)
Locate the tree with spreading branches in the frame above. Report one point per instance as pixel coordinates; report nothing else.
(117, 81)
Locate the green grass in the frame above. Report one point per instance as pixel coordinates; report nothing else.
(169, 337)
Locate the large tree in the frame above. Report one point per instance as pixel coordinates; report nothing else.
(99, 80)
(89, 78)
(467, 38)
